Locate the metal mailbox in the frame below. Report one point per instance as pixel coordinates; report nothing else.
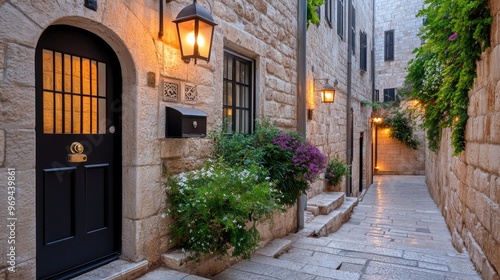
(185, 122)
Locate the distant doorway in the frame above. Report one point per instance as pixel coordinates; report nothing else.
(361, 163)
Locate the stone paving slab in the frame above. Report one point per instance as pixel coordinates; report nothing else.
(395, 233)
(164, 274)
(116, 270)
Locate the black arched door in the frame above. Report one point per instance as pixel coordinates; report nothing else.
(78, 152)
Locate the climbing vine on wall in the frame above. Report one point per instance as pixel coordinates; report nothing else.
(455, 33)
(312, 5)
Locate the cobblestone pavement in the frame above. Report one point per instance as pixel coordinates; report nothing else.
(395, 232)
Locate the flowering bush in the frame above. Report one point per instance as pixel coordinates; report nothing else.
(291, 161)
(212, 208)
(306, 158)
(336, 169)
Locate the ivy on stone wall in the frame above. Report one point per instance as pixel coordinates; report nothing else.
(312, 5)
(455, 33)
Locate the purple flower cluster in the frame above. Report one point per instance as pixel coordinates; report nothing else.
(306, 157)
(453, 37)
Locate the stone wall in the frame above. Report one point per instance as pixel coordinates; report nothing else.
(392, 156)
(327, 58)
(467, 187)
(399, 16)
(263, 30)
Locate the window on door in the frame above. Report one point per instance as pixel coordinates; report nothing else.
(74, 94)
(238, 94)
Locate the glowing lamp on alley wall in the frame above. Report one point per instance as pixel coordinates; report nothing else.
(195, 29)
(327, 91)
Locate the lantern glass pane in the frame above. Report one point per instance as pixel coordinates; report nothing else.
(204, 39)
(186, 37)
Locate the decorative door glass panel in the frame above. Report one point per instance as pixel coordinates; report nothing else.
(74, 94)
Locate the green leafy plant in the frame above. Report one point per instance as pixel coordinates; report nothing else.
(216, 208)
(398, 118)
(335, 171)
(401, 127)
(455, 34)
(292, 162)
(312, 5)
(250, 176)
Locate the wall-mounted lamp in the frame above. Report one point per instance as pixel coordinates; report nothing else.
(377, 118)
(327, 91)
(195, 28)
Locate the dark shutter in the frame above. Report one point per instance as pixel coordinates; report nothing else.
(363, 51)
(389, 45)
(353, 30)
(328, 12)
(340, 18)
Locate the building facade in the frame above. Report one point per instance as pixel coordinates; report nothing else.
(83, 97)
(396, 36)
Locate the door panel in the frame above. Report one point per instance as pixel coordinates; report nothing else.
(96, 186)
(78, 89)
(59, 216)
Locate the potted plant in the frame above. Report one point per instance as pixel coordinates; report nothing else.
(336, 169)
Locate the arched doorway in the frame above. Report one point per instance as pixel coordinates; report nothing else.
(78, 152)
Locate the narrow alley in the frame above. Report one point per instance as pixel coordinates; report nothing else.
(395, 232)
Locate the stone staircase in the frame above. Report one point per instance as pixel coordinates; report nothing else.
(325, 214)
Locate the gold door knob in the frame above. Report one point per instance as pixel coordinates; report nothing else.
(76, 148)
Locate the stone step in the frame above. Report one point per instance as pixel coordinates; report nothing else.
(275, 248)
(207, 266)
(164, 274)
(326, 202)
(323, 225)
(116, 270)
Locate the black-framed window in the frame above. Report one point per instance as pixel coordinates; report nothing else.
(389, 45)
(376, 96)
(328, 12)
(353, 29)
(389, 94)
(340, 18)
(363, 51)
(238, 94)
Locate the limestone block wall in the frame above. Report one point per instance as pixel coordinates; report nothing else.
(399, 16)
(393, 157)
(467, 187)
(327, 58)
(262, 30)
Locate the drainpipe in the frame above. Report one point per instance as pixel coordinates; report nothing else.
(373, 80)
(348, 105)
(301, 92)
